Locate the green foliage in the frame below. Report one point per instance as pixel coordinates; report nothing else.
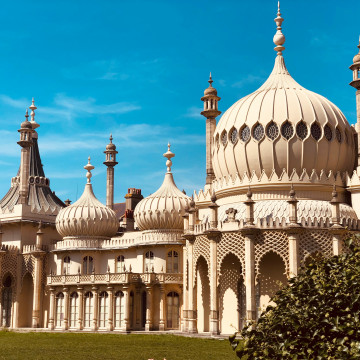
(316, 316)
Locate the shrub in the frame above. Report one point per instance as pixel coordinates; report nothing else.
(316, 316)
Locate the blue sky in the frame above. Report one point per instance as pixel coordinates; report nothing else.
(137, 69)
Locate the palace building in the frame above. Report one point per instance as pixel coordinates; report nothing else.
(282, 184)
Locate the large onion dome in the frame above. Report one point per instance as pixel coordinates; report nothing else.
(87, 217)
(163, 209)
(280, 126)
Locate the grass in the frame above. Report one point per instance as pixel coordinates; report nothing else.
(67, 346)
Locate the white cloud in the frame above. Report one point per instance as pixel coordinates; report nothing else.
(249, 79)
(193, 112)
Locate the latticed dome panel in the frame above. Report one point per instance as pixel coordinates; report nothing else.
(245, 134)
(338, 135)
(315, 131)
(272, 131)
(224, 138)
(287, 131)
(233, 136)
(258, 132)
(328, 132)
(301, 130)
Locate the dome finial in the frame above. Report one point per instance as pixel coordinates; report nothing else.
(27, 115)
(169, 155)
(210, 81)
(279, 38)
(111, 138)
(89, 167)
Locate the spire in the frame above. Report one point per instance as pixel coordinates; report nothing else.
(169, 155)
(89, 167)
(210, 81)
(32, 107)
(279, 38)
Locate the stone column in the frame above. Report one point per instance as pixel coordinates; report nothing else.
(191, 313)
(337, 230)
(95, 309)
(149, 293)
(213, 236)
(110, 187)
(81, 308)
(184, 326)
(110, 326)
(162, 308)
(126, 291)
(66, 309)
(52, 309)
(137, 308)
(37, 288)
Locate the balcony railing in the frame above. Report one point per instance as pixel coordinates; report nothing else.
(115, 278)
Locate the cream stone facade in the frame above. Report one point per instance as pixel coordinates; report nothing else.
(282, 184)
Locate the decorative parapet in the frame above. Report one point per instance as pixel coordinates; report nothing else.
(115, 278)
(29, 249)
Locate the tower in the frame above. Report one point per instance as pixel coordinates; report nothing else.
(355, 67)
(210, 111)
(26, 131)
(110, 162)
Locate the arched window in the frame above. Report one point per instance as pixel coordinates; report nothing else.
(74, 309)
(120, 264)
(172, 263)
(149, 261)
(119, 309)
(6, 302)
(88, 309)
(103, 309)
(172, 313)
(66, 265)
(59, 309)
(88, 265)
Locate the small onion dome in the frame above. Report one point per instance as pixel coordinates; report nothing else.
(26, 124)
(111, 146)
(87, 217)
(164, 208)
(210, 90)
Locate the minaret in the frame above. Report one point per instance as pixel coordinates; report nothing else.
(110, 162)
(26, 131)
(355, 67)
(34, 124)
(210, 111)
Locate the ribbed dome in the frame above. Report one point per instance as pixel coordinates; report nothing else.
(87, 217)
(163, 209)
(282, 126)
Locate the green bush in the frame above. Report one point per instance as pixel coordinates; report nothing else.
(316, 316)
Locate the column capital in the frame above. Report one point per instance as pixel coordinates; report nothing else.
(189, 237)
(337, 229)
(294, 229)
(213, 234)
(249, 230)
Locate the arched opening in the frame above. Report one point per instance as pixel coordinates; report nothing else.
(119, 310)
(6, 301)
(270, 279)
(143, 309)
(26, 301)
(59, 310)
(103, 309)
(88, 309)
(149, 261)
(172, 262)
(66, 267)
(120, 264)
(74, 309)
(202, 295)
(172, 310)
(88, 265)
(231, 295)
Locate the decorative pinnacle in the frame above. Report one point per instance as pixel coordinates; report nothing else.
(210, 81)
(279, 38)
(111, 138)
(89, 167)
(32, 107)
(249, 193)
(334, 194)
(27, 115)
(169, 155)
(292, 192)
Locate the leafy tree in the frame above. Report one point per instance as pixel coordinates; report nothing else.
(316, 316)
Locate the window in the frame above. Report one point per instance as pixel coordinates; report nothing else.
(119, 309)
(149, 261)
(88, 309)
(172, 263)
(224, 138)
(301, 130)
(338, 135)
(233, 136)
(6, 303)
(120, 264)
(245, 134)
(88, 265)
(59, 309)
(74, 309)
(103, 309)
(272, 131)
(287, 130)
(66, 267)
(172, 313)
(315, 131)
(258, 132)
(328, 132)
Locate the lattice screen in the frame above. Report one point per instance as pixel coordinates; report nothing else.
(201, 247)
(315, 241)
